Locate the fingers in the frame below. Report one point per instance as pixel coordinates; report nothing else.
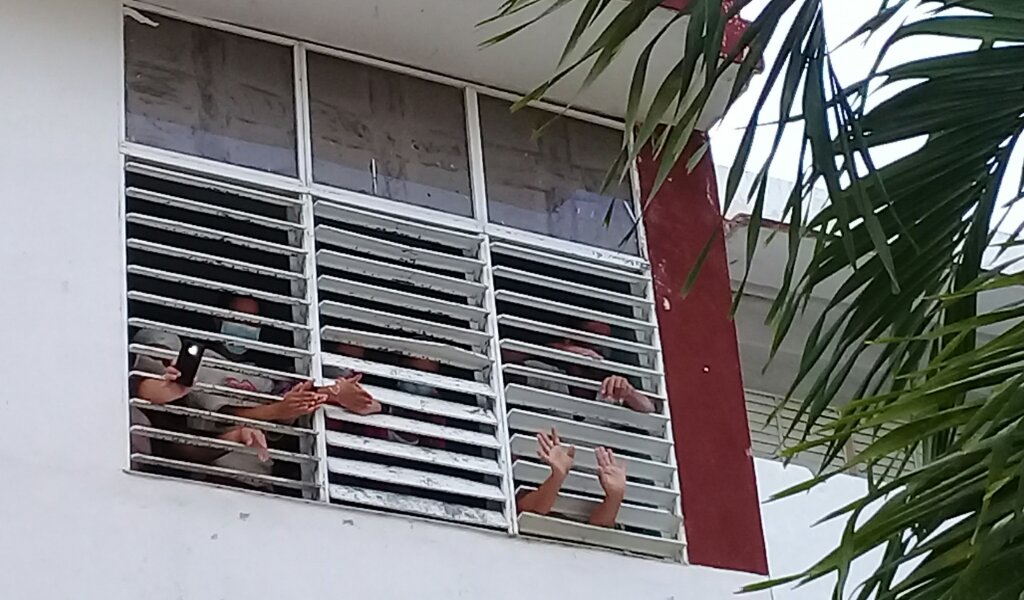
(254, 438)
(571, 452)
(544, 442)
(355, 378)
(615, 387)
(302, 386)
(602, 457)
(554, 437)
(171, 374)
(302, 397)
(618, 387)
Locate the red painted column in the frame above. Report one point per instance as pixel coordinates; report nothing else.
(702, 369)
(733, 30)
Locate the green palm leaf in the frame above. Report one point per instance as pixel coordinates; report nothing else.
(906, 241)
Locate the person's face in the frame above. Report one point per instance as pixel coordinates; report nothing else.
(245, 305)
(595, 327)
(237, 329)
(598, 328)
(350, 350)
(424, 364)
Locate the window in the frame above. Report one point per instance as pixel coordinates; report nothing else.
(389, 135)
(545, 304)
(212, 94)
(551, 183)
(402, 304)
(194, 244)
(457, 327)
(770, 434)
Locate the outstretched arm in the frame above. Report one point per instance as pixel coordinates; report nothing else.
(560, 458)
(612, 476)
(253, 438)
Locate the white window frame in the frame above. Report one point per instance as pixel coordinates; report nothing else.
(304, 187)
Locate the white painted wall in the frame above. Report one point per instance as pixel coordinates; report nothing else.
(795, 541)
(72, 524)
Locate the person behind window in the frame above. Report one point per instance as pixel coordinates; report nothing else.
(615, 389)
(298, 401)
(418, 389)
(560, 458)
(167, 390)
(409, 387)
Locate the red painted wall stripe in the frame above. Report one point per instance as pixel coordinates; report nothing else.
(702, 369)
(733, 30)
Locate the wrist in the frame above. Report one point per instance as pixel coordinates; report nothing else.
(614, 496)
(560, 473)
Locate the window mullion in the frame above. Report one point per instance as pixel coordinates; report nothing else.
(302, 116)
(316, 362)
(497, 382)
(479, 191)
(476, 157)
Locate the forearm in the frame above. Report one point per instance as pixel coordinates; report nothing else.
(542, 499)
(196, 454)
(606, 512)
(202, 454)
(264, 412)
(641, 403)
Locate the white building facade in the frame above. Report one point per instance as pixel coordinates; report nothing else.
(353, 168)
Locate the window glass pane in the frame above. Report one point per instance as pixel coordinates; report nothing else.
(212, 94)
(389, 135)
(550, 184)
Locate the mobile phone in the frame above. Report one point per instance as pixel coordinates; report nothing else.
(189, 357)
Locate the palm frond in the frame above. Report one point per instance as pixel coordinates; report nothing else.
(906, 241)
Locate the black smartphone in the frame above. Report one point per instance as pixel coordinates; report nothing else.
(188, 361)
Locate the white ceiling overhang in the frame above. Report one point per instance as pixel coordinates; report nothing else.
(765, 277)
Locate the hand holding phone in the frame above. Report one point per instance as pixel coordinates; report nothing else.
(188, 360)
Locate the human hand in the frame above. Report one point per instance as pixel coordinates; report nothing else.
(347, 393)
(252, 438)
(164, 390)
(616, 389)
(611, 474)
(581, 350)
(550, 450)
(299, 401)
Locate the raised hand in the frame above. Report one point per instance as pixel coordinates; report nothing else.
(611, 474)
(550, 450)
